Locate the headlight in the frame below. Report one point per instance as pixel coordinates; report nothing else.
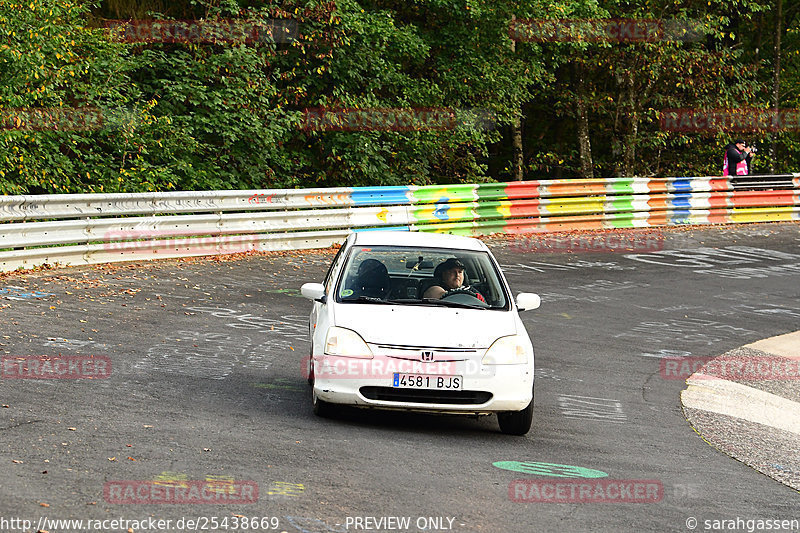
(347, 343)
(512, 350)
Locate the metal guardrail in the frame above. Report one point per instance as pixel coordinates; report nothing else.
(75, 229)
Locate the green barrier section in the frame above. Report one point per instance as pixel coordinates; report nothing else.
(432, 194)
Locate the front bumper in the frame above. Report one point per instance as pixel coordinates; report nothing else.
(368, 383)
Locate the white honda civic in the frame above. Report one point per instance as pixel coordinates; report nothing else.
(420, 322)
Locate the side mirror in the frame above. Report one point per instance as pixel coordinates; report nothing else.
(527, 301)
(314, 291)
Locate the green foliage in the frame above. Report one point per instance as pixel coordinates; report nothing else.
(423, 55)
(630, 82)
(82, 111)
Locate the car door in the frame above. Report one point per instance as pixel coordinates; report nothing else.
(319, 321)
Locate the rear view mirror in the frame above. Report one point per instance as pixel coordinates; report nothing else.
(313, 291)
(420, 265)
(527, 301)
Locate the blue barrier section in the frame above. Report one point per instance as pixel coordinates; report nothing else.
(680, 216)
(682, 185)
(681, 200)
(383, 228)
(380, 195)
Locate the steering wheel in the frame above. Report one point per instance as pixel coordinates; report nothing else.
(465, 295)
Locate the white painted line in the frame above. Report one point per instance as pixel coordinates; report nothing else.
(787, 345)
(740, 401)
(590, 398)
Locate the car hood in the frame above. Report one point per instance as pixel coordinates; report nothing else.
(426, 326)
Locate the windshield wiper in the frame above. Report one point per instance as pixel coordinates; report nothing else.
(366, 299)
(445, 303)
(408, 301)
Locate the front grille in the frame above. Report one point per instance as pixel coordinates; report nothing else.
(391, 347)
(413, 353)
(453, 397)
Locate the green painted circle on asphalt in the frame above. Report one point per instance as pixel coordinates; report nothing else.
(549, 469)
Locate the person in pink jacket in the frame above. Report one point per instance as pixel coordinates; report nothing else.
(737, 156)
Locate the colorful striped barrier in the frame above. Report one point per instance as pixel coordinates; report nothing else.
(95, 228)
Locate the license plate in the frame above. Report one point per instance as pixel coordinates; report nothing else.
(427, 381)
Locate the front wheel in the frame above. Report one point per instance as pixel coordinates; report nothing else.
(516, 422)
(320, 407)
(310, 369)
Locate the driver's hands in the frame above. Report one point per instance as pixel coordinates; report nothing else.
(465, 290)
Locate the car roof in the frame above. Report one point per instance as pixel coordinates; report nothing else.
(414, 238)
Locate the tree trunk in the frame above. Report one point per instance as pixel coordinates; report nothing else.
(776, 81)
(629, 150)
(584, 142)
(516, 134)
(516, 143)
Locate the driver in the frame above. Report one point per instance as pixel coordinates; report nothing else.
(450, 278)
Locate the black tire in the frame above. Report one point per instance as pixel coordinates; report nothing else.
(310, 370)
(516, 422)
(320, 407)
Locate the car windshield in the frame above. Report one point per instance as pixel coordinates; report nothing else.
(421, 276)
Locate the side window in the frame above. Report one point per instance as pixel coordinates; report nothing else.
(333, 268)
(487, 282)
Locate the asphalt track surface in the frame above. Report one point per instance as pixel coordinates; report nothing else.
(207, 384)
